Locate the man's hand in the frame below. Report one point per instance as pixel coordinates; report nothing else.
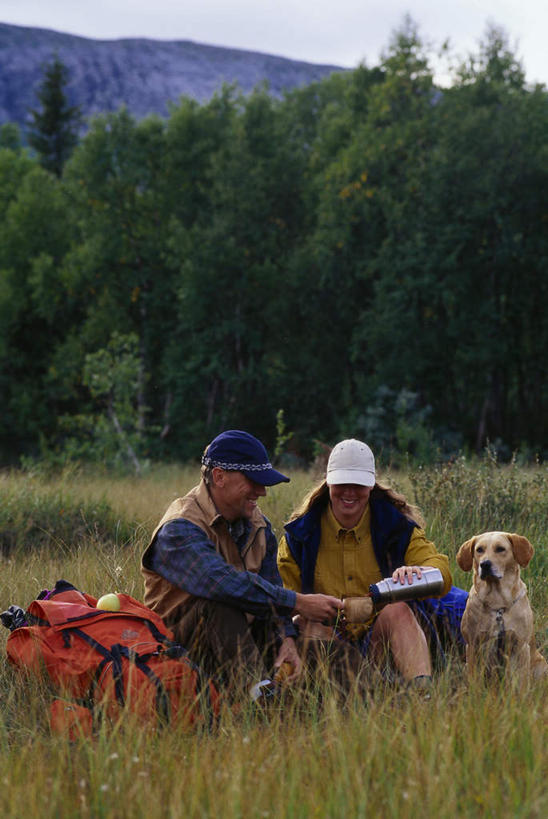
(320, 607)
(288, 654)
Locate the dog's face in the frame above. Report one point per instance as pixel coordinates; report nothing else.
(493, 554)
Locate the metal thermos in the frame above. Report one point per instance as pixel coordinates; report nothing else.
(388, 591)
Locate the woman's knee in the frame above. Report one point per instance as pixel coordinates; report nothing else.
(394, 616)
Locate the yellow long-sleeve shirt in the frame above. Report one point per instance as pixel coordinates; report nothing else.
(346, 563)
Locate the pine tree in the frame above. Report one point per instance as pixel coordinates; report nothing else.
(54, 128)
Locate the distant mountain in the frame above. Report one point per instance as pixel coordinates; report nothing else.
(144, 75)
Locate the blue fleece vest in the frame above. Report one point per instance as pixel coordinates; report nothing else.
(390, 531)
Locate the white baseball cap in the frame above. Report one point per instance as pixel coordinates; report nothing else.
(351, 461)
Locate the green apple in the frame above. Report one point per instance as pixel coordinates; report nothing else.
(109, 602)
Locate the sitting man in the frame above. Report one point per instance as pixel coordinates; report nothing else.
(211, 571)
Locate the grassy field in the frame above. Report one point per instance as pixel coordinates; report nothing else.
(470, 751)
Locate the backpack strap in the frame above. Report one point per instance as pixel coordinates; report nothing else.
(163, 704)
(172, 649)
(114, 655)
(108, 657)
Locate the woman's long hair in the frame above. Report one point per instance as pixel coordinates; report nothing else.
(319, 496)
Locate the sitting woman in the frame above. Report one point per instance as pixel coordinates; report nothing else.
(351, 532)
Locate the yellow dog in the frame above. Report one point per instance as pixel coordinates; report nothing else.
(497, 624)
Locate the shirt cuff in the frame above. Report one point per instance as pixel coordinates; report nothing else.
(286, 599)
(290, 628)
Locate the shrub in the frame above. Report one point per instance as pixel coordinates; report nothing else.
(33, 515)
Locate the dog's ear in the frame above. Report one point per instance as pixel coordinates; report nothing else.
(523, 550)
(465, 555)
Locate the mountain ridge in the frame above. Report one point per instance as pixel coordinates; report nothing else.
(145, 75)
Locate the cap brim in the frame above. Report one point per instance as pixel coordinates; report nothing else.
(266, 477)
(360, 477)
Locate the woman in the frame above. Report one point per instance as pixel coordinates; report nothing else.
(350, 532)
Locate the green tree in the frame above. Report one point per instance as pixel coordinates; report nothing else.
(116, 182)
(54, 126)
(367, 253)
(111, 432)
(358, 197)
(493, 166)
(456, 314)
(136, 190)
(35, 304)
(10, 136)
(225, 354)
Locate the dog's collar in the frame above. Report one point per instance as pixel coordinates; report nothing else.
(503, 609)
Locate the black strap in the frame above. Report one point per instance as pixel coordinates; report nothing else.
(114, 655)
(163, 704)
(108, 657)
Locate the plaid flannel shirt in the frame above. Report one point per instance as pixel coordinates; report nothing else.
(184, 556)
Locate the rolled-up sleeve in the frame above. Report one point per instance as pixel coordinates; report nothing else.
(422, 552)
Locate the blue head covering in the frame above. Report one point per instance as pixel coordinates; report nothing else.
(238, 451)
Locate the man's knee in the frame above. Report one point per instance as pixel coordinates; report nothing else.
(219, 638)
(224, 618)
(205, 618)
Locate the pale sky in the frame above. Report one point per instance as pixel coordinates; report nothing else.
(337, 32)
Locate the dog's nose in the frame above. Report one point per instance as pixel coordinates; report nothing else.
(486, 568)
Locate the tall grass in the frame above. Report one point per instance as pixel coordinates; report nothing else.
(470, 751)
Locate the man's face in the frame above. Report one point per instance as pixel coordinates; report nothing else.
(235, 495)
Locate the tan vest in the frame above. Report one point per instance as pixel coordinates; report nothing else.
(172, 602)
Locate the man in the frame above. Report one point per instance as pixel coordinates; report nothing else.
(211, 570)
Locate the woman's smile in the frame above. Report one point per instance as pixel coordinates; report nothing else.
(348, 502)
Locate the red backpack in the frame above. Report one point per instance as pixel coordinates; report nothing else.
(103, 661)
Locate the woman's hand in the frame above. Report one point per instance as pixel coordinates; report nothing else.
(406, 572)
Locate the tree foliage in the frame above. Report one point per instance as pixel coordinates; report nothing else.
(54, 125)
(365, 257)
